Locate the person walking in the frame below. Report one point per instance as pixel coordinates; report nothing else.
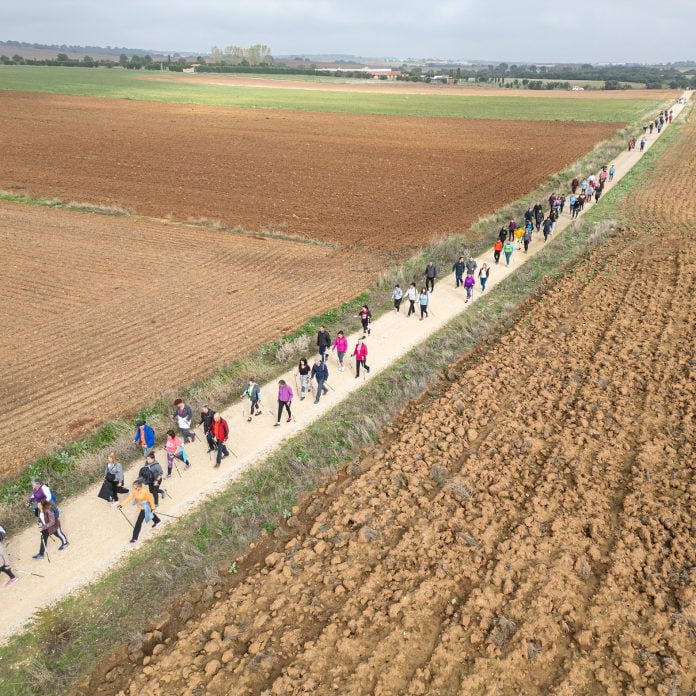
(365, 318)
(526, 239)
(340, 345)
(519, 233)
(512, 226)
(49, 525)
(469, 283)
(458, 268)
(152, 474)
(113, 475)
(502, 234)
(538, 218)
(174, 448)
(497, 248)
(253, 393)
(471, 265)
(320, 372)
(397, 296)
(548, 228)
(323, 341)
(612, 171)
(411, 294)
(430, 274)
(360, 355)
(285, 395)
(220, 431)
(643, 143)
(5, 565)
(303, 371)
(207, 415)
(423, 301)
(40, 492)
(574, 185)
(507, 250)
(144, 436)
(184, 417)
(484, 272)
(142, 499)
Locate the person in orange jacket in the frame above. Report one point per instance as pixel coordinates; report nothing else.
(141, 497)
(497, 248)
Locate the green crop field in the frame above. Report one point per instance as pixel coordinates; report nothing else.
(165, 87)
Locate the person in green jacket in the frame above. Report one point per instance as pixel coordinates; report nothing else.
(508, 248)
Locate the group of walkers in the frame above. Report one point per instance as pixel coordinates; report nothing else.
(147, 489)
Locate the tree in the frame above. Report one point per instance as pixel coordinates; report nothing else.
(5, 60)
(123, 60)
(62, 57)
(88, 61)
(17, 59)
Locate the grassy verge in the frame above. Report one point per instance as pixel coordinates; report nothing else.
(65, 205)
(122, 84)
(70, 638)
(74, 467)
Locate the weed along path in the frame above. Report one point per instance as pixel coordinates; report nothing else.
(99, 534)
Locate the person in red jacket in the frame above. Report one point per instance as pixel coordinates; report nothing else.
(220, 432)
(360, 355)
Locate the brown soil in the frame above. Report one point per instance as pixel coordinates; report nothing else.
(384, 182)
(101, 313)
(380, 86)
(528, 529)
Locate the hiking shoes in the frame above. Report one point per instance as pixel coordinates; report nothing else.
(38, 556)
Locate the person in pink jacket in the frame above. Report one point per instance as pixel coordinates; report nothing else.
(360, 355)
(340, 345)
(284, 400)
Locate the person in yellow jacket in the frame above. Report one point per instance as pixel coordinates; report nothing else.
(141, 497)
(519, 233)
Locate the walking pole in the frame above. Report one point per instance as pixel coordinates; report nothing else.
(44, 546)
(125, 517)
(232, 452)
(26, 572)
(165, 493)
(164, 514)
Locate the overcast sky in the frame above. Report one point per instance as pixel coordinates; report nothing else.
(505, 30)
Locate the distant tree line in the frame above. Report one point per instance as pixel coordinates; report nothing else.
(257, 59)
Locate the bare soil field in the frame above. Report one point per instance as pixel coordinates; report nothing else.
(527, 528)
(100, 314)
(378, 181)
(394, 87)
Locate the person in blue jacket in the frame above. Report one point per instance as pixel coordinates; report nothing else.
(144, 437)
(320, 372)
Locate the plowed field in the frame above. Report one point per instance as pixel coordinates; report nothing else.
(527, 529)
(100, 314)
(384, 182)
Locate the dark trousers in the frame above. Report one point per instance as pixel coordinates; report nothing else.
(211, 440)
(139, 523)
(221, 452)
(358, 363)
(281, 406)
(458, 279)
(397, 304)
(496, 255)
(7, 570)
(424, 310)
(187, 434)
(429, 283)
(411, 307)
(366, 325)
(44, 539)
(155, 490)
(322, 352)
(254, 406)
(321, 389)
(511, 235)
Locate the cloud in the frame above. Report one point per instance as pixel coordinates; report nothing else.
(527, 30)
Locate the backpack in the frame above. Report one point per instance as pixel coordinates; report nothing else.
(146, 475)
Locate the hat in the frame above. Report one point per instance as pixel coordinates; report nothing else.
(140, 422)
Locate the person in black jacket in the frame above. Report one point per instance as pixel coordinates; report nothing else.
(430, 274)
(320, 372)
(323, 342)
(207, 421)
(458, 269)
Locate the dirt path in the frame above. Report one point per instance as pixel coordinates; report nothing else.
(102, 541)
